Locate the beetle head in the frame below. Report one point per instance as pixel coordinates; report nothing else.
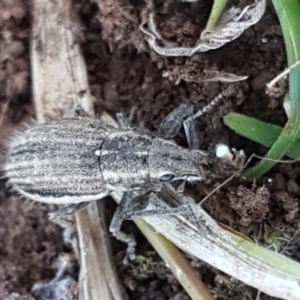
(169, 162)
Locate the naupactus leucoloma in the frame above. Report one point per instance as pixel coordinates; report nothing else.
(76, 160)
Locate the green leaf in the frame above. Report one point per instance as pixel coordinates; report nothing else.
(288, 12)
(260, 132)
(216, 12)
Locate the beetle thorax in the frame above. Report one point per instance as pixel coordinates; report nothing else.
(124, 160)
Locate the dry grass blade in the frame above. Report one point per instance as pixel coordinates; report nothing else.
(60, 84)
(59, 73)
(177, 263)
(169, 253)
(203, 238)
(230, 26)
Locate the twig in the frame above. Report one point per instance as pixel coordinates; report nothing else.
(271, 84)
(59, 85)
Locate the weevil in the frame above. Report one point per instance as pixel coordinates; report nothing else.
(77, 160)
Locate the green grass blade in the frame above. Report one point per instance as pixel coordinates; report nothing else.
(215, 14)
(259, 132)
(288, 12)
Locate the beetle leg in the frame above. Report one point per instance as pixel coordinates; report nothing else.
(182, 209)
(191, 134)
(116, 223)
(172, 123)
(80, 112)
(185, 208)
(180, 188)
(70, 209)
(127, 203)
(136, 208)
(124, 119)
(189, 123)
(59, 216)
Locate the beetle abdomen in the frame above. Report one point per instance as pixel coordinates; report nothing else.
(56, 162)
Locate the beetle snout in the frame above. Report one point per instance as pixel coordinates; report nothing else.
(199, 165)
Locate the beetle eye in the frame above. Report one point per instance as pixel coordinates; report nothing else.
(166, 177)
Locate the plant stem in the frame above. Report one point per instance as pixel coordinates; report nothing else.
(288, 12)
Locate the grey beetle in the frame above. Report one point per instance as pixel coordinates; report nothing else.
(75, 160)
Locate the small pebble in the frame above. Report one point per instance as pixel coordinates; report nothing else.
(223, 151)
(16, 49)
(18, 12)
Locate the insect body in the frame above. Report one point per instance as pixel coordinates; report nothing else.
(77, 160)
(71, 161)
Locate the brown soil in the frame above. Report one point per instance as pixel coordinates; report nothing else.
(124, 72)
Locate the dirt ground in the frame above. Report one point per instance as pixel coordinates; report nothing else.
(123, 72)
